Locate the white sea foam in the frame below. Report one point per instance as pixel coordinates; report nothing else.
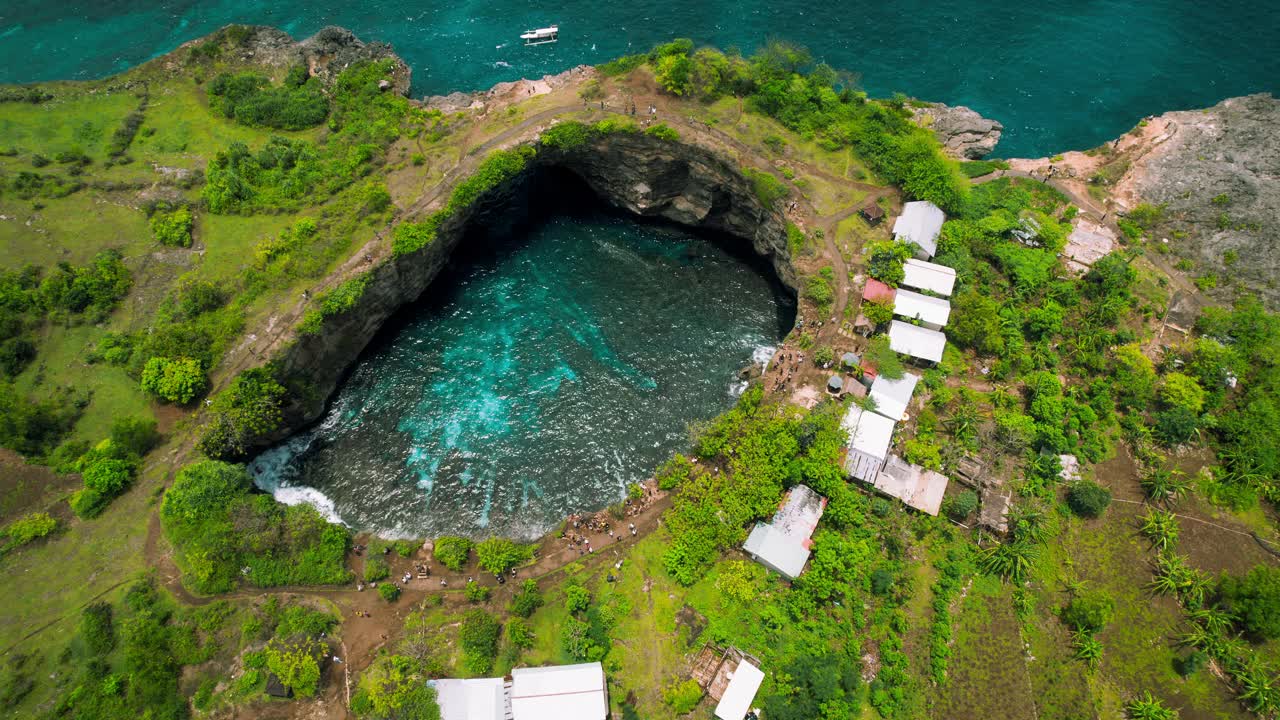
(312, 497)
(762, 355)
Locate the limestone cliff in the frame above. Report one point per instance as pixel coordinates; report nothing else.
(679, 182)
(964, 133)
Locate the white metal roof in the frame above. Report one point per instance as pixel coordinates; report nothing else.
(869, 432)
(917, 487)
(740, 692)
(933, 277)
(774, 548)
(478, 699)
(915, 341)
(919, 223)
(560, 692)
(912, 305)
(893, 396)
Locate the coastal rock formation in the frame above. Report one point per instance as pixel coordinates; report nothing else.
(651, 177)
(517, 89)
(962, 131)
(1217, 171)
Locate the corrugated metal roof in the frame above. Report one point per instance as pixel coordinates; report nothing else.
(869, 437)
(913, 305)
(476, 699)
(933, 277)
(915, 341)
(560, 692)
(893, 396)
(783, 542)
(742, 690)
(919, 223)
(917, 487)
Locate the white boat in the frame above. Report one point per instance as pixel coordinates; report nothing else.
(541, 36)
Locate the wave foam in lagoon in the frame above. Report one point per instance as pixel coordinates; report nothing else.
(309, 496)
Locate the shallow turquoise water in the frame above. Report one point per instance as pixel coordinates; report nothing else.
(1060, 75)
(538, 380)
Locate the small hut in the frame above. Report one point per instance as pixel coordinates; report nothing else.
(872, 213)
(835, 385)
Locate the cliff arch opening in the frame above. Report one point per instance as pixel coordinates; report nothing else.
(562, 352)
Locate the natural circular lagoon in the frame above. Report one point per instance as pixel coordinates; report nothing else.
(550, 366)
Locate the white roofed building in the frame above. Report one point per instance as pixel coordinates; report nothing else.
(927, 276)
(893, 396)
(869, 437)
(931, 311)
(741, 692)
(477, 699)
(920, 343)
(917, 487)
(920, 223)
(559, 692)
(782, 544)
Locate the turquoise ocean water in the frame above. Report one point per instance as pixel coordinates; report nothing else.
(542, 375)
(1059, 74)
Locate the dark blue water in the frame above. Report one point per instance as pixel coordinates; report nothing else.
(1059, 75)
(538, 379)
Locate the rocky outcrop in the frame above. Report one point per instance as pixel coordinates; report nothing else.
(653, 178)
(1217, 171)
(515, 90)
(964, 133)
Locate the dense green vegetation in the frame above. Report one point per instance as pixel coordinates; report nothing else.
(785, 83)
(219, 526)
(249, 98)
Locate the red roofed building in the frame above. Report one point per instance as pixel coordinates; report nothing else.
(877, 291)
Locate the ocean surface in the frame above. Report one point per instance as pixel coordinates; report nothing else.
(1060, 75)
(543, 374)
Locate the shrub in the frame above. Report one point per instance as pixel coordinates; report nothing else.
(479, 639)
(662, 131)
(248, 408)
(1147, 707)
(250, 99)
(519, 634)
(410, 237)
(96, 628)
(1191, 663)
(1255, 599)
(87, 503)
(173, 228)
(296, 662)
(674, 472)
(960, 506)
(877, 313)
(1088, 499)
(375, 569)
(177, 380)
(1088, 612)
(565, 135)
(499, 555)
(476, 592)
(767, 188)
(525, 602)
(818, 289)
(389, 592)
(576, 599)
(683, 697)
(1176, 426)
(135, 435)
(26, 529)
(108, 476)
(394, 687)
(335, 302)
(1182, 391)
(452, 552)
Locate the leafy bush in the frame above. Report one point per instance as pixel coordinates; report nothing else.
(27, 529)
(177, 380)
(335, 302)
(674, 472)
(824, 686)
(1088, 612)
(519, 634)
(217, 526)
(662, 131)
(1255, 600)
(394, 687)
(389, 592)
(1182, 391)
(375, 569)
(296, 662)
(960, 506)
(410, 237)
(452, 552)
(134, 435)
(250, 99)
(475, 592)
(525, 602)
(479, 639)
(818, 289)
(248, 408)
(96, 628)
(682, 697)
(767, 188)
(565, 135)
(499, 555)
(173, 228)
(576, 599)
(1088, 499)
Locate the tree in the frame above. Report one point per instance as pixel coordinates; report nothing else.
(248, 408)
(1088, 499)
(202, 490)
(172, 228)
(683, 697)
(527, 600)
(499, 555)
(519, 634)
(1134, 376)
(295, 662)
(976, 323)
(135, 435)
(1176, 426)
(475, 592)
(178, 380)
(452, 552)
(479, 638)
(1255, 599)
(108, 477)
(576, 599)
(395, 688)
(1182, 391)
(389, 592)
(885, 259)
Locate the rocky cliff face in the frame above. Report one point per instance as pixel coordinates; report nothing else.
(964, 133)
(1217, 171)
(655, 178)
